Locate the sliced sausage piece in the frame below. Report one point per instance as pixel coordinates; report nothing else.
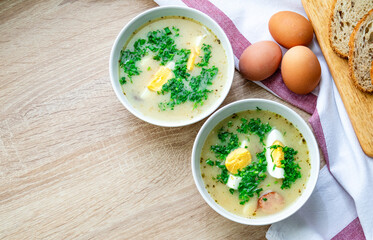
(271, 202)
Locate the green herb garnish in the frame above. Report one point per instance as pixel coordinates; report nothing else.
(199, 85)
(252, 176)
(209, 162)
(222, 135)
(254, 126)
(176, 30)
(180, 70)
(231, 190)
(122, 80)
(206, 57)
(180, 93)
(128, 58)
(224, 175)
(160, 42)
(291, 168)
(167, 31)
(163, 44)
(229, 141)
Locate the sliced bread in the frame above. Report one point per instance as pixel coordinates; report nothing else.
(344, 17)
(361, 53)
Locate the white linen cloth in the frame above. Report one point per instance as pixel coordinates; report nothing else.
(346, 191)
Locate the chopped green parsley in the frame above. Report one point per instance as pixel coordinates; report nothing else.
(224, 175)
(206, 57)
(122, 80)
(209, 162)
(254, 126)
(229, 142)
(291, 168)
(252, 176)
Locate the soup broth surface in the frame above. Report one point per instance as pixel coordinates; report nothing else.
(221, 192)
(148, 102)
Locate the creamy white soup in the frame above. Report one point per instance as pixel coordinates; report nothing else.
(255, 163)
(173, 69)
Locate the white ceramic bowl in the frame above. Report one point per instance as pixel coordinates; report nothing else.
(158, 12)
(251, 104)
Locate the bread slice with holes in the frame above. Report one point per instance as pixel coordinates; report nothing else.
(344, 17)
(361, 53)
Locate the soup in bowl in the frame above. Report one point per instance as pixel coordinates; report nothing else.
(255, 161)
(172, 66)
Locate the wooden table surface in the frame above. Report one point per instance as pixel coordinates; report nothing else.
(74, 163)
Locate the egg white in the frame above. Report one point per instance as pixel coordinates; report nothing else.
(233, 181)
(244, 144)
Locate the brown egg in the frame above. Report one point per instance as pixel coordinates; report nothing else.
(300, 70)
(290, 29)
(260, 60)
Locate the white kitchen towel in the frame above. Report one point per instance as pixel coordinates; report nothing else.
(339, 208)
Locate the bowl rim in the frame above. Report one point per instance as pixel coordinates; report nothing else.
(226, 45)
(289, 210)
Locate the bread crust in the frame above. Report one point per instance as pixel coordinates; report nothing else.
(335, 49)
(351, 45)
(371, 72)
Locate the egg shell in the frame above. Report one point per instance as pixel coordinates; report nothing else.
(260, 60)
(290, 29)
(300, 70)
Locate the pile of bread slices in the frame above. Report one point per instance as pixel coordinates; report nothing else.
(351, 36)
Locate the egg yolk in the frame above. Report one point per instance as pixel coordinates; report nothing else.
(159, 78)
(277, 154)
(194, 52)
(237, 160)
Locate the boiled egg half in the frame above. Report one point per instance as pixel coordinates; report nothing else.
(236, 160)
(161, 77)
(163, 74)
(194, 52)
(274, 156)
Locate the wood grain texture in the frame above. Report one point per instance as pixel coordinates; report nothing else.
(74, 163)
(359, 105)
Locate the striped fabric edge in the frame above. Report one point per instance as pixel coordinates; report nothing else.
(351, 232)
(319, 134)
